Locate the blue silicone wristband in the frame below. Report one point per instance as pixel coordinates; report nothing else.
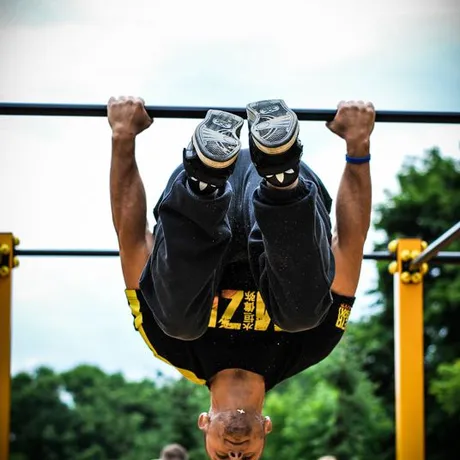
(358, 160)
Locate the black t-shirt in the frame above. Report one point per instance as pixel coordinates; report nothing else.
(241, 335)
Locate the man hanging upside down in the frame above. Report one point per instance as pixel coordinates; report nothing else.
(242, 283)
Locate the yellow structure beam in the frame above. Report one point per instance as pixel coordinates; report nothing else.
(409, 361)
(6, 267)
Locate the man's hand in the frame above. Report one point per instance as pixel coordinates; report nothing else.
(127, 116)
(354, 122)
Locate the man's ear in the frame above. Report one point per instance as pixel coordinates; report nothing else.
(268, 426)
(203, 421)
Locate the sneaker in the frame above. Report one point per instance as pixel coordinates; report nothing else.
(273, 126)
(211, 156)
(273, 140)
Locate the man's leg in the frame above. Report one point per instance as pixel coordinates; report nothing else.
(193, 233)
(290, 238)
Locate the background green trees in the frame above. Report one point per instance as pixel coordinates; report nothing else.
(344, 406)
(330, 410)
(85, 414)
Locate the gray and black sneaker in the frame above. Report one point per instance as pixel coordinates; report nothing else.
(273, 140)
(211, 155)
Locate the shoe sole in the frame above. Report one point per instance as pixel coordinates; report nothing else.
(274, 126)
(216, 139)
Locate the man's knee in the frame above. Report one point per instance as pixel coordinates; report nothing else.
(303, 319)
(299, 324)
(182, 330)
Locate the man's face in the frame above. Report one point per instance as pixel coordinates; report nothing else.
(234, 434)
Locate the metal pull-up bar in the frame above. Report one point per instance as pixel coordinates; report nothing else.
(447, 257)
(430, 252)
(408, 273)
(87, 110)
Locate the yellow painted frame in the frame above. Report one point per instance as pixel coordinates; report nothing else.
(409, 355)
(6, 269)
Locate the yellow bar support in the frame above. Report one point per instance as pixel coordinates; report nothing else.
(409, 369)
(6, 267)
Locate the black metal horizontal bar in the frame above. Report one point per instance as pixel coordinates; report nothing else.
(379, 256)
(447, 257)
(442, 257)
(439, 243)
(66, 253)
(84, 110)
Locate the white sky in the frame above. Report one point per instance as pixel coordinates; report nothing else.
(402, 55)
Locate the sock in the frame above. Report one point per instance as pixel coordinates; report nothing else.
(279, 170)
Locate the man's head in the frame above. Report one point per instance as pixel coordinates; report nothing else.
(174, 452)
(236, 434)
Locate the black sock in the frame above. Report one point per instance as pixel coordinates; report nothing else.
(199, 187)
(280, 170)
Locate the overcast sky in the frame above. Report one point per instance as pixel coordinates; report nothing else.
(402, 55)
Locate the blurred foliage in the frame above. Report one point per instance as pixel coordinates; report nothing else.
(329, 409)
(446, 388)
(85, 414)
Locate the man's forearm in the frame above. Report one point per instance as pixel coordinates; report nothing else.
(353, 208)
(127, 193)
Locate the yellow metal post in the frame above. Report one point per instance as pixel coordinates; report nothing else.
(409, 369)
(6, 267)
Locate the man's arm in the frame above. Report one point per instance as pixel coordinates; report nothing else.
(127, 117)
(354, 122)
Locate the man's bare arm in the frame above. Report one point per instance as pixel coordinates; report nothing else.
(127, 117)
(353, 210)
(354, 122)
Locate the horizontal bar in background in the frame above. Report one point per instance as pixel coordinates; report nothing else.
(440, 243)
(450, 257)
(66, 253)
(85, 110)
